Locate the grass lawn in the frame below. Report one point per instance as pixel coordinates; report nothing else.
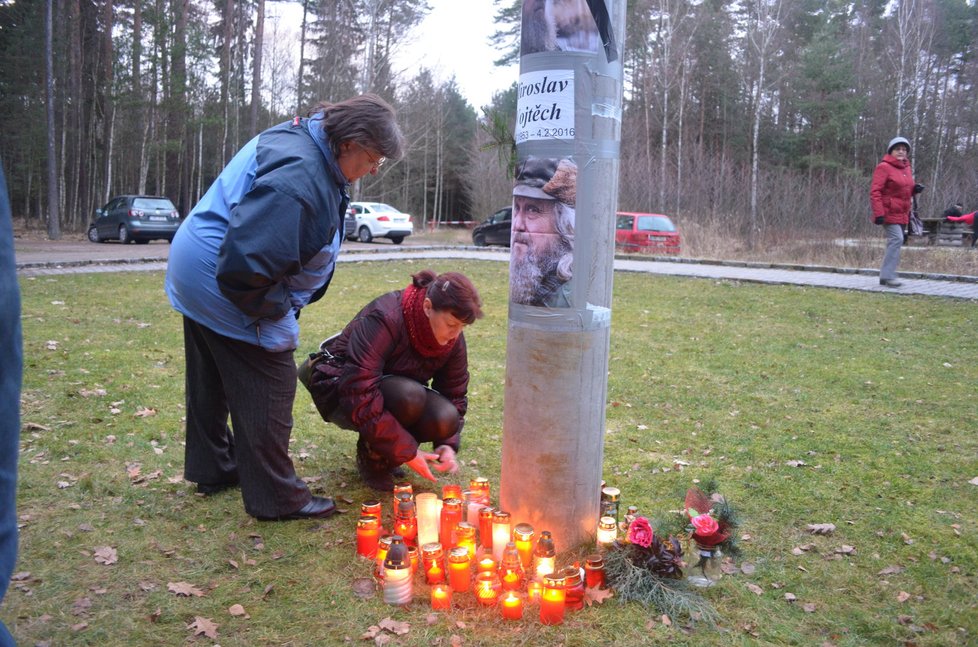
(805, 405)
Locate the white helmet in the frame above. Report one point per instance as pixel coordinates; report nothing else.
(895, 141)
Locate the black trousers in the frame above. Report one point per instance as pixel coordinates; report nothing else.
(256, 388)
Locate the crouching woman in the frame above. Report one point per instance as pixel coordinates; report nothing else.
(398, 376)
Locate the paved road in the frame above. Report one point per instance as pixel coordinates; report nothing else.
(40, 258)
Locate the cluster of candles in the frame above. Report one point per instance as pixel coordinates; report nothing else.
(460, 544)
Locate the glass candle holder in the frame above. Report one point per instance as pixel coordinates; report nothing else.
(544, 555)
(372, 508)
(594, 576)
(534, 591)
(472, 506)
(459, 573)
(485, 527)
(610, 497)
(414, 557)
(399, 488)
(480, 485)
(406, 522)
(523, 538)
(429, 512)
(441, 597)
(487, 589)
(451, 491)
(552, 601)
(368, 534)
(398, 585)
(432, 563)
(502, 533)
(573, 587)
(465, 537)
(512, 606)
(511, 570)
(383, 545)
(451, 514)
(704, 569)
(486, 565)
(607, 532)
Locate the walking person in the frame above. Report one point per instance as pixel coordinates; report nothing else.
(258, 247)
(891, 198)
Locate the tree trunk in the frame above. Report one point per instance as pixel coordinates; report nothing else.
(54, 217)
(256, 67)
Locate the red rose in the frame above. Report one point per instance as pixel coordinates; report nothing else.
(640, 532)
(705, 525)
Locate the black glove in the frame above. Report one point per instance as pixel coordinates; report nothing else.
(918, 188)
(878, 220)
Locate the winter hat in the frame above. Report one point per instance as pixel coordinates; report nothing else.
(547, 179)
(895, 141)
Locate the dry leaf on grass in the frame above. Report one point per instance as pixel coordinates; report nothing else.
(364, 587)
(755, 589)
(974, 481)
(597, 596)
(238, 611)
(204, 626)
(395, 627)
(821, 528)
(790, 597)
(456, 641)
(106, 555)
(903, 596)
(891, 570)
(144, 412)
(184, 589)
(845, 550)
(809, 607)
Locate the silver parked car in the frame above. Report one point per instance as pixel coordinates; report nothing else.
(139, 218)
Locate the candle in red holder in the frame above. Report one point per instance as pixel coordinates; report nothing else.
(451, 514)
(465, 536)
(552, 601)
(403, 487)
(414, 556)
(594, 572)
(406, 522)
(512, 606)
(383, 544)
(459, 575)
(372, 508)
(451, 491)
(523, 538)
(441, 597)
(368, 532)
(432, 557)
(534, 591)
(487, 588)
(480, 484)
(544, 555)
(486, 565)
(573, 588)
(511, 570)
(485, 527)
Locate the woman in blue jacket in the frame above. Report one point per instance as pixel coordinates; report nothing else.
(258, 247)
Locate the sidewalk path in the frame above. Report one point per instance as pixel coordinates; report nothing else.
(958, 287)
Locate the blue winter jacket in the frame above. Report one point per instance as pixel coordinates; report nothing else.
(262, 242)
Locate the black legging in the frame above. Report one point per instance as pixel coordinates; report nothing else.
(426, 414)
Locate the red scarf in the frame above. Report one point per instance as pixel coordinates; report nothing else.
(419, 328)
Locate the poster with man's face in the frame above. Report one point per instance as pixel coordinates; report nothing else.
(542, 240)
(558, 25)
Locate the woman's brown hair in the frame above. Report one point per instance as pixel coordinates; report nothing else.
(367, 120)
(452, 292)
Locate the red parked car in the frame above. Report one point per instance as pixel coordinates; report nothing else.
(646, 232)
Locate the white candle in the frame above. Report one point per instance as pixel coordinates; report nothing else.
(429, 514)
(501, 534)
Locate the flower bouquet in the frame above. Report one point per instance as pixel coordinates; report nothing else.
(711, 521)
(647, 568)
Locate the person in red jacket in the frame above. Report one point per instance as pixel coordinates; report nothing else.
(891, 198)
(968, 219)
(374, 377)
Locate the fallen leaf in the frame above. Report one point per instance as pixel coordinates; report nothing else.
(204, 626)
(81, 606)
(747, 568)
(796, 463)
(845, 550)
(431, 619)
(145, 412)
(790, 597)
(891, 570)
(974, 481)
(904, 619)
(595, 595)
(906, 538)
(238, 611)
(21, 576)
(106, 555)
(395, 627)
(903, 596)
(755, 589)
(153, 617)
(370, 633)
(808, 607)
(184, 589)
(364, 587)
(665, 620)
(80, 626)
(821, 528)
(456, 641)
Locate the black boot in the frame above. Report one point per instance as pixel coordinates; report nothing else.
(374, 469)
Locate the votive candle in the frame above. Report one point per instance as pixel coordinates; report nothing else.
(512, 606)
(486, 565)
(431, 562)
(441, 597)
(523, 538)
(368, 533)
(534, 591)
(429, 512)
(501, 534)
(607, 531)
(485, 527)
(487, 588)
(459, 575)
(451, 491)
(552, 601)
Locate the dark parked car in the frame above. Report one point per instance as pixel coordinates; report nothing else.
(646, 232)
(495, 229)
(350, 224)
(139, 218)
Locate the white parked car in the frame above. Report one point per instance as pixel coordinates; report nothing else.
(379, 220)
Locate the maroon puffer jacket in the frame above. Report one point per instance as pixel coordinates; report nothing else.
(891, 191)
(376, 344)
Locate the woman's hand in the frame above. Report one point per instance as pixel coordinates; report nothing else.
(446, 459)
(420, 464)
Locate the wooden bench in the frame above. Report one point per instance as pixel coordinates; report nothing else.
(939, 232)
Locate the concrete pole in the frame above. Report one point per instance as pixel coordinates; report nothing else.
(564, 201)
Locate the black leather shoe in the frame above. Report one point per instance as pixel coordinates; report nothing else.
(319, 507)
(890, 283)
(213, 488)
